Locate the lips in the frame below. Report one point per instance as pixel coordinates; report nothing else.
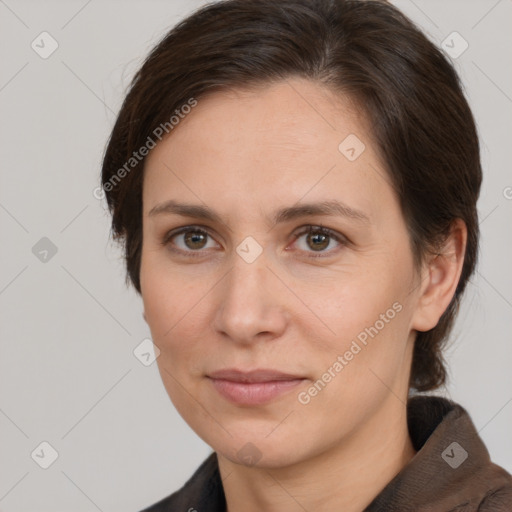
(260, 375)
(254, 387)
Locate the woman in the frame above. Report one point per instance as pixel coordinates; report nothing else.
(295, 185)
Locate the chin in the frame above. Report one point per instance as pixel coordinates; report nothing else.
(256, 450)
(262, 455)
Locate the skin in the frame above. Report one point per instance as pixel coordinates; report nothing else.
(245, 154)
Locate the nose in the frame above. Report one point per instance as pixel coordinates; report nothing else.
(251, 303)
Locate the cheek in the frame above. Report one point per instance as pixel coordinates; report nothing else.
(164, 293)
(175, 306)
(355, 369)
(357, 302)
(369, 319)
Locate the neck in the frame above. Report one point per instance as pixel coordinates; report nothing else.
(345, 477)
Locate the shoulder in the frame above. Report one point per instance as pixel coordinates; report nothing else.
(499, 497)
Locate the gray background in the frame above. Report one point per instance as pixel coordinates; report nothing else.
(68, 375)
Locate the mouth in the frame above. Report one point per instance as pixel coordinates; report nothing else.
(254, 387)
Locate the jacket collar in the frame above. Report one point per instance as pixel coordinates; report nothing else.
(451, 470)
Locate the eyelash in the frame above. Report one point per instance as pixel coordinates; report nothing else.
(310, 229)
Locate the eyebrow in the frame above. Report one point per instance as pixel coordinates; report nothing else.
(325, 208)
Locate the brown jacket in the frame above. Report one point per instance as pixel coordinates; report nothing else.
(451, 471)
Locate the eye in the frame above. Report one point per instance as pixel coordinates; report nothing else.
(318, 239)
(189, 239)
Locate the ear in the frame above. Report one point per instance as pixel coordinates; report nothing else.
(144, 316)
(440, 277)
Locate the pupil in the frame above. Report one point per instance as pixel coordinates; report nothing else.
(318, 236)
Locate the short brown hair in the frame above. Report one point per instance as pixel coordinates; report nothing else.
(367, 49)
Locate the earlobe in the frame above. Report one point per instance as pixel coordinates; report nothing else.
(441, 276)
(144, 316)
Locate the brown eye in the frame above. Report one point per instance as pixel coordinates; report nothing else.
(195, 239)
(189, 240)
(317, 241)
(320, 240)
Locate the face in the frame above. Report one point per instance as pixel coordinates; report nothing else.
(252, 279)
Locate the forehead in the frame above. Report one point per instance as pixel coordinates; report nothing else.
(295, 112)
(274, 143)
